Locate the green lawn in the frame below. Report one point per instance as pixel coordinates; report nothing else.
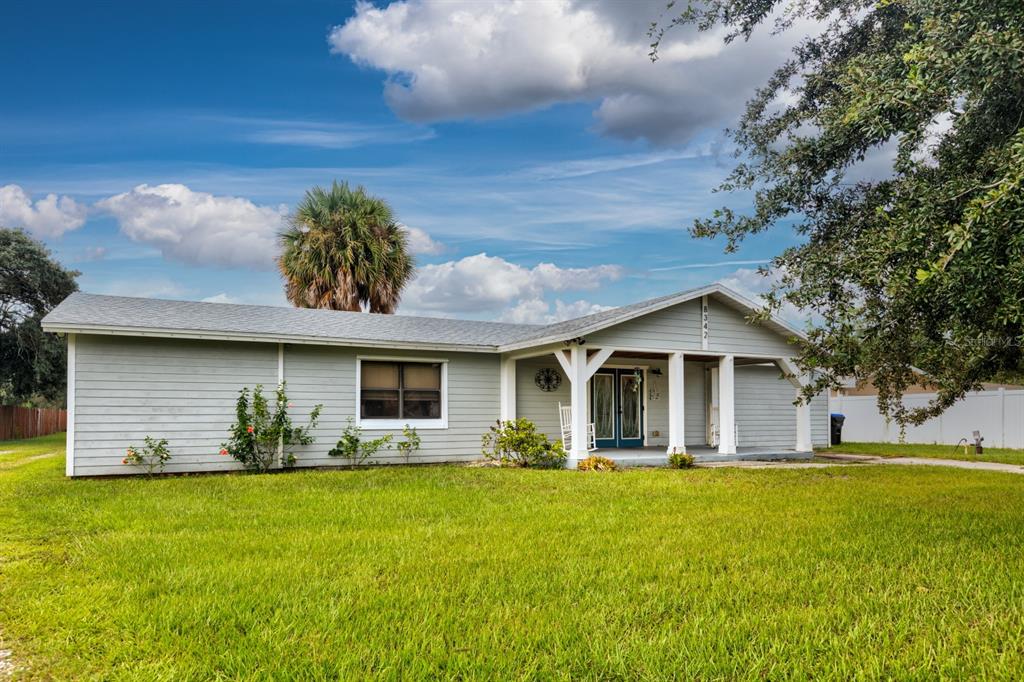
(837, 573)
(1004, 455)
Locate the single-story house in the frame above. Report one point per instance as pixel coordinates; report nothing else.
(680, 372)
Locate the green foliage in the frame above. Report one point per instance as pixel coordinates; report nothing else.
(919, 263)
(153, 457)
(517, 443)
(32, 362)
(352, 447)
(410, 443)
(597, 463)
(680, 460)
(260, 436)
(344, 251)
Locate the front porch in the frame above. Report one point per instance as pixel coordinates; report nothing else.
(684, 401)
(652, 455)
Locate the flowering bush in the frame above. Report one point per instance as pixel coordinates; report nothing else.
(352, 447)
(597, 463)
(153, 457)
(259, 436)
(517, 443)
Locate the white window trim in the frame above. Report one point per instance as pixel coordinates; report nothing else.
(399, 424)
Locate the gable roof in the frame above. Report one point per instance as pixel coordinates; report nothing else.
(93, 313)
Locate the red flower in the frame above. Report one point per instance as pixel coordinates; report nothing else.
(249, 429)
(223, 451)
(124, 461)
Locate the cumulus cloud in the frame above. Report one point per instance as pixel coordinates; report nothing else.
(452, 60)
(483, 283)
(421, 243)
(50, 216)
(221, 298)
(197, 227)
(539, 311)
(753, 284)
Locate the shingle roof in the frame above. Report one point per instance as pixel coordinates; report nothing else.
(157, 317)
(81, 310)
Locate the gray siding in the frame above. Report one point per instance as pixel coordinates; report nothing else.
(729, 332)
(540, 407)
(765, 413)
(185, 391)
(677, 327)
(694, 404)
(327, 375)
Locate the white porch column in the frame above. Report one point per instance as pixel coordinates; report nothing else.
(578, 379)
(676, 422)
(803, 407)
(726, 405)
(579, 370)
(507, 389)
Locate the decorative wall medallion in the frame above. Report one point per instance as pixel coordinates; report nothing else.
(547, 379)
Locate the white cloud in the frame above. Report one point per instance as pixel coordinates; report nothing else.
(50, 216)
(197, 227)
(451, 60)
(143, 287)
(539, 311)
(421, 243)
(752, 284)
(220, 298)
(483, 283)
(324, 135)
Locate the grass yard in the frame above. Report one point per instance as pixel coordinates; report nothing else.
(1004, 455)
(838, 573)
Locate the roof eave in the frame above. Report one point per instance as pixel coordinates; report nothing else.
(103, 330)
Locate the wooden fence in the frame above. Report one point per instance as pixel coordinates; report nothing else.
(29, 422)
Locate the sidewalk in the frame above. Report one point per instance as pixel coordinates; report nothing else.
(925, 461)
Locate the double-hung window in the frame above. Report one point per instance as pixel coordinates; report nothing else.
(397, 392)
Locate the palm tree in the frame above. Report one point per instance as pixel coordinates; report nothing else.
(343, 251)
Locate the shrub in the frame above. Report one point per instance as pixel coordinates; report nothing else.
(597, 463)
(259, 436)
(153, 457)
(680, 460)
(411, 443)
(517, 443)
(352, 447)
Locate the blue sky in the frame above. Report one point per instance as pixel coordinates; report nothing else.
(544, 166)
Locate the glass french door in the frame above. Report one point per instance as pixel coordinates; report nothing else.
(617, 408)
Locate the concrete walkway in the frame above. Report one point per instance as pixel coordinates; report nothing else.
(923, 461)
(839, 459)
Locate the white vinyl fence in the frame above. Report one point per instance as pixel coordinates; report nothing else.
(998, 414)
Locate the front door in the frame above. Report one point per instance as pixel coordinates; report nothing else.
(617, 408)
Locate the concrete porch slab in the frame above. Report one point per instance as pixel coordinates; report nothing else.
(655, 455)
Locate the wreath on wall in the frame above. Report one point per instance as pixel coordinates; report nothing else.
(547, 379)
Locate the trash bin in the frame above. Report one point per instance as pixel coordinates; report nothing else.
(836, 422)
